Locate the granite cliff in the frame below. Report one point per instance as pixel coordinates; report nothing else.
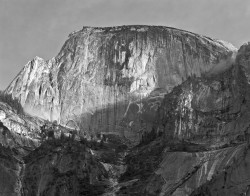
(172, 108)
(100, 72)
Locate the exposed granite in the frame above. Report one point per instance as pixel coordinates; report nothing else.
(99, 72)
(184, 97)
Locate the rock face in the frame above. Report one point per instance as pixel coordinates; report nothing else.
(200, 142)
(100, 73)
(18, 131)
(183, 98)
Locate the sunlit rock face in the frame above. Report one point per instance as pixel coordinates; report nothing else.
(100, 72)
(33, 86)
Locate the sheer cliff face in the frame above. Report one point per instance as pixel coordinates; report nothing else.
(100, 72)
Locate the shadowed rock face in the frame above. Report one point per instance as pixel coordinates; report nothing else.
(18, 131)
(100, 72)
(201, 139)
(210, 110)
(63, 168)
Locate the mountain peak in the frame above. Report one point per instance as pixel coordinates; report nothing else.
(38, 58)
(103, 69)
(182, 98)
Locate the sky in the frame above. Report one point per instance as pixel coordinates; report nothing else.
(30, 28)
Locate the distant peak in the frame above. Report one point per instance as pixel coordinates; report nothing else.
(38, 58)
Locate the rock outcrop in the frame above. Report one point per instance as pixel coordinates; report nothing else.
(100, 72)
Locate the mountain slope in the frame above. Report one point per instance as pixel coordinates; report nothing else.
(199, 144)
(172, 108)
(19, 135)
(99, 72)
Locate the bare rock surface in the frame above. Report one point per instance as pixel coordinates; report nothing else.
(160, 111)
(199, 144)
(100, 72)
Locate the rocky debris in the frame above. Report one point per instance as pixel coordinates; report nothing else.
(100, 72)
